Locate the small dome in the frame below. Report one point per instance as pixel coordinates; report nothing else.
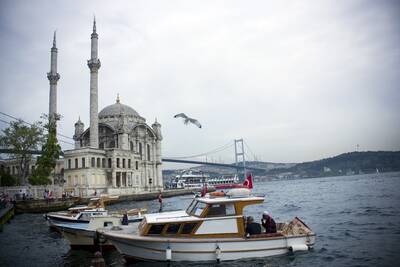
(116, 109)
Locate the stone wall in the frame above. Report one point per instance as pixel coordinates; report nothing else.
(32, 191)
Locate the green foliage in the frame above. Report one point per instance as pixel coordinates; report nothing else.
(22, 138)
(51, 151)
(7, 179)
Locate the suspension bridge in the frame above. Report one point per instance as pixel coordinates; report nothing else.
(239, 145)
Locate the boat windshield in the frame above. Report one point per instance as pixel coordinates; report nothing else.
(198, 209)
(189, 209)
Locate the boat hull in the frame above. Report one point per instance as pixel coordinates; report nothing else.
(223, 249)
(80, 238)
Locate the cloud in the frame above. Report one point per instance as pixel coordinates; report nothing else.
(298, 81)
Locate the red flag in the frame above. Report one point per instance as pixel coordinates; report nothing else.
(248, 182)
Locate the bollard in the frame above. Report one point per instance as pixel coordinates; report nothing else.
(98, 260)
(218, 253)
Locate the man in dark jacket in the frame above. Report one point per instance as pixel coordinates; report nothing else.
(252, 228)
(268, 223)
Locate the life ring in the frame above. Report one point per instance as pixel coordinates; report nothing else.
(217, 194)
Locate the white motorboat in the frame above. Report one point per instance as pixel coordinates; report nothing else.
(210, 229)
(79, 214)
(83, 214)
(84, 236)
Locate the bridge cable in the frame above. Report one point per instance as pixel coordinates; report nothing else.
(218, 149)
(251, 151)
(15, 118)
(66, 142)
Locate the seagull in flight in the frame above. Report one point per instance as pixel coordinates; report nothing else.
(186, 119)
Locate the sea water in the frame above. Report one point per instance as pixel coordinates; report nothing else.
(356, 220)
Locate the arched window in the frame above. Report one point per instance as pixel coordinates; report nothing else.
(140, 150)
(148, 152)
(131, 146)
(109, 163)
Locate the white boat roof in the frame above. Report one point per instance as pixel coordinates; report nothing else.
(226, 199)
(172, 216)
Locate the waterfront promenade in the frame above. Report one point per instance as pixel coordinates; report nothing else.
(47, 205)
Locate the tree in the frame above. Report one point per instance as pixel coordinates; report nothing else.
(22, 138)
(51, 151)
(7, 179)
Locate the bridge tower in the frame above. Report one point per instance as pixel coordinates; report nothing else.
(239, 154)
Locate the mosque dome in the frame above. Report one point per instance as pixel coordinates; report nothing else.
(116, 109)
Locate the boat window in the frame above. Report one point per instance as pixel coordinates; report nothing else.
(230, 209)
(172, 229)
(198, 209)
(156, 229)
(188, 228)
(190, 208)
(216, 210)
(108, 224)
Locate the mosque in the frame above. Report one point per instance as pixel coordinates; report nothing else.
(119, 153)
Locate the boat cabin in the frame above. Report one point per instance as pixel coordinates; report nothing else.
(205, 217)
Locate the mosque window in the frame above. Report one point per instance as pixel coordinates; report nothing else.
(148, 152)
(124, 179)
(123, 163)
(140, 150)
(129, 163)
(76, 163)
(137, 165)
(117, 162)
(118, 179)
(83, 163)
(69, 165)
(131, 144)
(93, 162)
(98, 162)
(109, 163)
(103, 162)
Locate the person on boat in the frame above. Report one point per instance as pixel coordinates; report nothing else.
(160, 201)
(125, 218)
(252, 228)
(268, 223)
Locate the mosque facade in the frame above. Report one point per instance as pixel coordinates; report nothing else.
(119, 153)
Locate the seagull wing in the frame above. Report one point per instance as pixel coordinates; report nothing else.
(181, 115)
(195, 122)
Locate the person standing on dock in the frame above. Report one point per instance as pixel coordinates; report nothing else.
(160, 200)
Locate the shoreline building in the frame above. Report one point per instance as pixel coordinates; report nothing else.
(119, 153)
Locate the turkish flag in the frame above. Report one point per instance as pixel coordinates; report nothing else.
(248, 182)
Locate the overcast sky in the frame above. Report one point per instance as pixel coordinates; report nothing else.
(298, 80)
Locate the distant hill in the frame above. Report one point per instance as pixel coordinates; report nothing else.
(343, 164)
(347, 163)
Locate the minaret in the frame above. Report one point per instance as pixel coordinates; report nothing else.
(53, 77)
(94, 65)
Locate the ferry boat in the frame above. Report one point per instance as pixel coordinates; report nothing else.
(196, 180)
(210, 229)
(191, 179)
